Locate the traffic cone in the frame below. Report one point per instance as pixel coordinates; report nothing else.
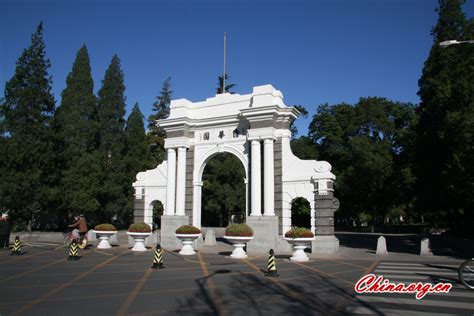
(272, 269)
(16, 251)
(73, 251)
(158, 258)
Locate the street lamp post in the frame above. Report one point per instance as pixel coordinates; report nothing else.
(454, 42)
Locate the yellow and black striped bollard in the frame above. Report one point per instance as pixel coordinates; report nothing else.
(272, 270)
(73, 251)
(16, 251)
(158, 258)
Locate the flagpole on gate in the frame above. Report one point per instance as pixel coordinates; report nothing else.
(223, 77)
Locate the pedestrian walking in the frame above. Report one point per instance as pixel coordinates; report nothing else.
(5, 228)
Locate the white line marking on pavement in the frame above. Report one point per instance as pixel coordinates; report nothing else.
(413, 301)
(418, 264)
(427, 271)
(392, 312)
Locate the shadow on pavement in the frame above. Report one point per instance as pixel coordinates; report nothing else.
(312, 294)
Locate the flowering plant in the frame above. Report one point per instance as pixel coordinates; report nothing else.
(105, 227)
(299, 232)
(139, 228)
(239, 230)
(188, 230)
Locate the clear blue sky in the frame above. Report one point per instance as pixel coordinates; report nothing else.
(315, 52)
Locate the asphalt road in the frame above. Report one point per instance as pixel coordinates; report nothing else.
(120, 282)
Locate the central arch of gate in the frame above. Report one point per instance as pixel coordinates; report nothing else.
(256, 129)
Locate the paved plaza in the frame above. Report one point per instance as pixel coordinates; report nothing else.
(120, 282)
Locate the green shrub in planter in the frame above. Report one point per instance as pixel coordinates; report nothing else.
(105, 228)
(188, 230)
(139, 228)
(239, 230)
(299, 232)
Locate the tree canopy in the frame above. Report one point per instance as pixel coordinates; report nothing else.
(27, 144)
(444, 134)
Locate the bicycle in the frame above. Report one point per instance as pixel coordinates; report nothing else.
(74, 235)
(466, 273)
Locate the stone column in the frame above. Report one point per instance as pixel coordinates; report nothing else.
(325, 205)
(268, 174)
(181, 182)
(247, 195)
(197, 211)
(170, 182)
(255, 180)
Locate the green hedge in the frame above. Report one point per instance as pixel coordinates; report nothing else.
(188, 229)
(299, 232)
(105, 227)
(139, 228)
(242, 230)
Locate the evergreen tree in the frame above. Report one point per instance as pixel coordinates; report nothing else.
(445, 145)
(111, 111)
(137, 156)
(137, 150)
(28, 175)
(156, 136)
(228, 86)
(77, 116)
(77, 126)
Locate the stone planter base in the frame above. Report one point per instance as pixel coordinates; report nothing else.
(299, 245)
(104, 237)
(187, 240)
(139, 239)
(239, 244)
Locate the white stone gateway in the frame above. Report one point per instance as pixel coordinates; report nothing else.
(247, 126)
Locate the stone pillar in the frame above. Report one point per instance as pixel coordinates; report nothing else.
(170, 182)
(268, 174)
(197, 187)
(247, 194)
(139, 205)
(181, 182)
(255, 180)
(325, 205)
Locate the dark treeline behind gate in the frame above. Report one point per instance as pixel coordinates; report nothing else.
(394, 161)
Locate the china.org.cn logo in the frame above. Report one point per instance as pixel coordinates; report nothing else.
(371, 283)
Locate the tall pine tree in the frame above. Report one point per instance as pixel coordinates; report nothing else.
(156, 136)
(111, 111)
(27, 181)
(445, 144)
(137, 156)
(137, 149)
(77, 125)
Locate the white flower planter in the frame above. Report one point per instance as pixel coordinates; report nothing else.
(239, 243)
(104, 237)
(187, 240)
(138, 238)
(299, 245)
